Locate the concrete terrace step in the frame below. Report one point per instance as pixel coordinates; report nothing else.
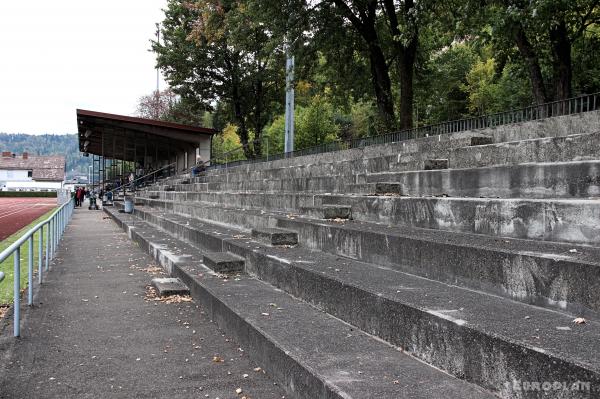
(577, 179)
(328, 212)
(474, 154)
(554, 275)
(310, 353)
(273, 236)
(537, 180)
(439, 144)
(574, 147)
(223, 262)
(559, 220)
(482, 338)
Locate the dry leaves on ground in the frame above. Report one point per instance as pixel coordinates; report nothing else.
(3, 310)
(152, 295)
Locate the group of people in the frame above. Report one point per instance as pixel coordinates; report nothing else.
(80, 194)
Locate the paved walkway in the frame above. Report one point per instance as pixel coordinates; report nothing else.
(92, 332)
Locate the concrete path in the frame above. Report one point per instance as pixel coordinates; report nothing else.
(94, 333)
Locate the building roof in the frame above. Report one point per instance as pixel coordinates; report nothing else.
(50, 168)
(115, 136)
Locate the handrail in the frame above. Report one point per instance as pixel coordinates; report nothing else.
(141, 177)
(573, 105)
(57, 222)
(225, 154)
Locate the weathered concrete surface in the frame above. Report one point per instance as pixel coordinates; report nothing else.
(275, 236)
(328, 212)
(223, 262)
(559, 220)
(166, 286)
(91, 334)
(313, 354)
(575, 147)
(562, 276)
(578, 179)
(468, 333)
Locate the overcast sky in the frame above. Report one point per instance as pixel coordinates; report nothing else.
(56, 56)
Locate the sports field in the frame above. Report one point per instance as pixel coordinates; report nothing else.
(16, 213)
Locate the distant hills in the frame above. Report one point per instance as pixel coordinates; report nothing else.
(48, 144)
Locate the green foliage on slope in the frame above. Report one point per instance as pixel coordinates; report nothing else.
(48, 144)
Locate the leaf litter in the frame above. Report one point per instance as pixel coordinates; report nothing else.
(152, 296)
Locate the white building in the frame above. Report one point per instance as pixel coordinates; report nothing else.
(31, 173)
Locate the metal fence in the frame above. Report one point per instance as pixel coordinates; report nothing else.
(55, 226)
(575, 105)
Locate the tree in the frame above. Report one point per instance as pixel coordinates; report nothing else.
(545, 31)
(156, 105)
(362, 15)
(217, 52)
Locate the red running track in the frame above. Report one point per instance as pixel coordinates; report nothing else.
(16, 213)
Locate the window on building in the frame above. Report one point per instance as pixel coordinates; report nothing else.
(30, 173)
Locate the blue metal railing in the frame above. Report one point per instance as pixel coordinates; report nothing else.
(56, 223)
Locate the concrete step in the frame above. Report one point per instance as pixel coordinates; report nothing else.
(553, 275)
(558, 220)
(273, 236)
(223, 262)
(308, 352)
(481, 338)
(328, 212)
(249, 200)
(438, 144)
(169, 286)
(576, 147)
(435, 164)
(579, 179)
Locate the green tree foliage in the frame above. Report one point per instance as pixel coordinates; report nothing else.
(365, 67)
(66, 145)
(221, 51)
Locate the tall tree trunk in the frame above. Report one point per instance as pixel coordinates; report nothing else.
(236, 100)
(561, 61)
(406, 55)
(382, 85)
(406, 68)
(364, 24)
(538, 88)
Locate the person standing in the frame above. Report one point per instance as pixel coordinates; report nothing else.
(80, 196)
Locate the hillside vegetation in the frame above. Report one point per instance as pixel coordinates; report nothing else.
(48, 144)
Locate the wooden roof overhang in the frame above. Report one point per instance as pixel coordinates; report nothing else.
(128, 138)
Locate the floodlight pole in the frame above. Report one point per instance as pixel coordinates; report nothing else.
(289, 99)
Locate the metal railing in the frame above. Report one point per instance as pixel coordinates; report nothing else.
(575, 105)
(143, 178)
(56, 225)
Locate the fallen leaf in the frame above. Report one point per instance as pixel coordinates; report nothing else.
(218, 359)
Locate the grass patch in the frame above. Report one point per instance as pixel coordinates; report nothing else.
(6, 286)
